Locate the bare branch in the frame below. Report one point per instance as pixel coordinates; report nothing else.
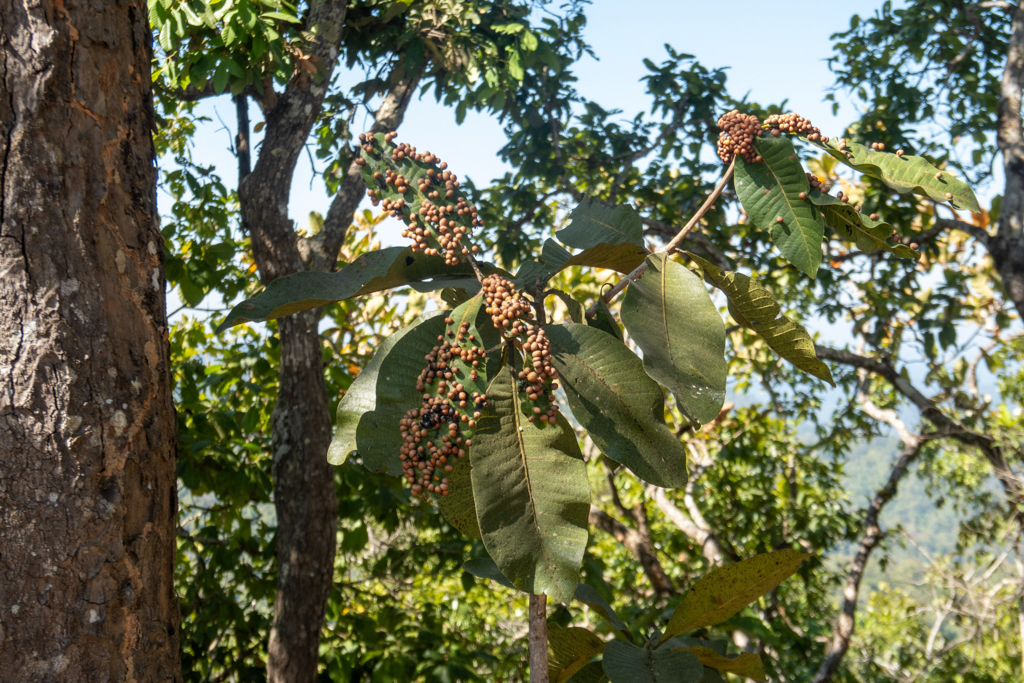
(641, 548)
(872, 535)
(947, 426)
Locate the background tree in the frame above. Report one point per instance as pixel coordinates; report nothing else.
(768, 473)
(87, 433)
(286, 62)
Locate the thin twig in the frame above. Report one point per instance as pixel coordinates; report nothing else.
(676, 241)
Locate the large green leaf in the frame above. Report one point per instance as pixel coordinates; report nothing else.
(755, 308)
(906, 174)
(623, 258)
(458, 507)
(853, 226)
(532, 493)
(569, 650)
(361, 397)
(726, 590)
(628, 663)
(747, 665)
(371, 272)
(593, 222)
(669, 314)
(770, 190)
(618, 404)
(378, 438)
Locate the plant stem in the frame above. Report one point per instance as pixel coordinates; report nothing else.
(539, 638)
(676, 241)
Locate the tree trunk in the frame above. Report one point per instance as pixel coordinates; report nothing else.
(87, 427)
(1007, 245)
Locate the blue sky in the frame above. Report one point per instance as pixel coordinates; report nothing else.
(771, 55)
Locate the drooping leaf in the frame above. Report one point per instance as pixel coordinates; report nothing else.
(577, 313)
(371, 272)
(755, 308)
(532, 493)
(589, 595)
(378, 438)
(618, 404)
(726, 590)
(628, 663)
(770, 190)
(593, 222)
(622, 258)
(906, 174)
(604, 320)
(747, 665)
(853, 226)
(361, 397)
(485, 568)
(569, 650)
(458, 507)
(669, 314)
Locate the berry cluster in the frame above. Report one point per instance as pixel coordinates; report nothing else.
(816, 184)
(793, 123)
(738, 133)
(506, 309)
(539, 376)
(447, 218)
(440, 430)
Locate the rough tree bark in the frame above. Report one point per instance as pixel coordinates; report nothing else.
(87, 426)
(1007, 246)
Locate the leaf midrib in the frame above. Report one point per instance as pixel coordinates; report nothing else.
(789, 205)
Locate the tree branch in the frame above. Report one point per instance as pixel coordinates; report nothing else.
(641, 547)
(872, 535)
(675, 242)
(946, 425)
(322, 249)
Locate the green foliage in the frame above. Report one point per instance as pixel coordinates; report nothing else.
(532, 495)
(770, 190)
(622, 409)
(669, 314)
(754, 307)
(905, 173)
(727, 590)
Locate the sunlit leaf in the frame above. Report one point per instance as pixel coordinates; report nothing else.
(569, 650)
(853, 226)
(620, 406)
(726, 590)
(755, 308)
(770, 190)
(747, 665)
(669, 314)
(906, 174)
